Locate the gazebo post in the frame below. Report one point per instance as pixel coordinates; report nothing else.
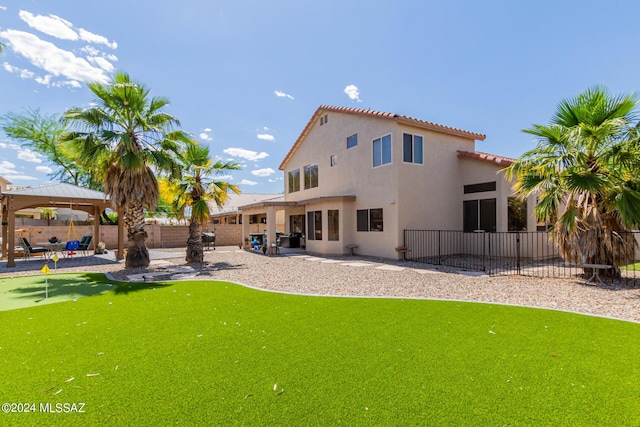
(4, 231)
(11, 238)
(96, 227)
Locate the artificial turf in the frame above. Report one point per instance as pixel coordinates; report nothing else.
(27, 291)
(215, 353)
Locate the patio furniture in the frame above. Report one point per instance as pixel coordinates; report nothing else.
(595, 272)
(352, 247)
(28, 249)
(53, 247)
(84, 244)
(275, 248)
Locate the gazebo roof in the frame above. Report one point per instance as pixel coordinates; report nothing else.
(62, 190)
(55, 195)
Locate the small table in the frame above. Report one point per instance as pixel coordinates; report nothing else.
(53, 248)
(596, 269)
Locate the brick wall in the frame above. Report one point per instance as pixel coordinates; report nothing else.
(227, 234)
(159, 236)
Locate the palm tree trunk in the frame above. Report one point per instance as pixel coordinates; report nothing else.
(195, 251)
(137, 252)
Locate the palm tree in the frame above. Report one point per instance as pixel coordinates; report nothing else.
(585, 171)
(195, 190)
(43, 133)
(124, 137)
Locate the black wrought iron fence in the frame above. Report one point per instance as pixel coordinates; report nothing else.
(504, 253)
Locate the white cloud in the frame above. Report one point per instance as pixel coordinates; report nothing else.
(22, 72)
(29, 156)
(352, 92)
(207, 130)
(52, 59)
(90, 50)
(263, 172)
(46, 80)
(44, 169)
(96, 38)
(224, 178)
(245, 154)
(6, 165)
(71, 83)
(204, 136)
(51, 25)
(102, 63)
(3, 7)
(247, 182)
(266, 137)
(8, 171)
(280, 94)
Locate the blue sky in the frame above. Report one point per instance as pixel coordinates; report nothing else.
(245, 76)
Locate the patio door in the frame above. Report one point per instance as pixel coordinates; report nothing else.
(297, 224)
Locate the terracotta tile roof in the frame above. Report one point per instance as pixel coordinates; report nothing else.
(321, 110)
(491, 158)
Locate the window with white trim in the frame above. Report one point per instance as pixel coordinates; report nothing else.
(412, 148)
(382, 151)
(294, 181)
(333, 222)
(369, 220)
(314, 223)
(310, 176)
(352, 141)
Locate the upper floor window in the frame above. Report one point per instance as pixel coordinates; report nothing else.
(294, 181)
(352, 141)
(412, 148)
(382, 151)
(324, 119)
(334, 159)
(310, 176)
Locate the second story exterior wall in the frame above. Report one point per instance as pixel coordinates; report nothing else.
(353, 170)
(429, 193)
(398, 173)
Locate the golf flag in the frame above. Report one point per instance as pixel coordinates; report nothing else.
(45, 270)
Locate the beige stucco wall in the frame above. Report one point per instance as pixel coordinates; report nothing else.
(412, 196)
(474, 171)
(353, 174)
(430, 194)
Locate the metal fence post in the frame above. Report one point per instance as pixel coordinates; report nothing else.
(484, 242)
(518, 252)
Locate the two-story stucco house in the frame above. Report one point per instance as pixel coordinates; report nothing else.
(358, 177)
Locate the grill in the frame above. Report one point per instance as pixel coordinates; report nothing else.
(208, 239)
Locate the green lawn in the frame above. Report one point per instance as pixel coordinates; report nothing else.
(214, 353)
(631, 267)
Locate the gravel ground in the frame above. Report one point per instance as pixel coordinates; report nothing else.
(371, 277)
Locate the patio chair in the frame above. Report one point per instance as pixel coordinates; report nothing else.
(28, 249)
(84, 244)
